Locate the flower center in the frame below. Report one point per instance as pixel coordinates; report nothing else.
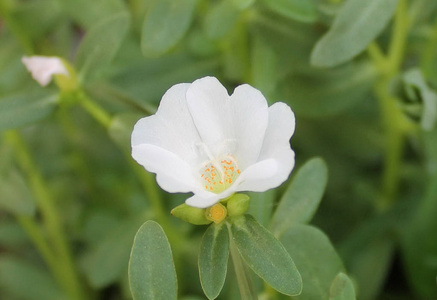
(219, 174)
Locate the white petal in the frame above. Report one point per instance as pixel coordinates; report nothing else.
(172, 127)
(204, 199)
(250, 114)
(172, 173)
(279, 130)
(209, 104)
(276, 157)
(256, 175)
(43, 68)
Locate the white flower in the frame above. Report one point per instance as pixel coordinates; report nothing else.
(43, 68)
(204, 141)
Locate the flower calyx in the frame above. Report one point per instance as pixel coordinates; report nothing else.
(232, 206)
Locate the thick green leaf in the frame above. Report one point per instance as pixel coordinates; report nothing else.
(220, 19)
(101, 43)
(300, 10)
(302, 198)
(152, 275)
(108, 260)
(213, 259)
(24, 109)
(337, 89)
(15, 196)
(165, 24)
(265, 255)
(357, 24)
(316, 259)
(25, 281)
(342, 288)
(261, 206)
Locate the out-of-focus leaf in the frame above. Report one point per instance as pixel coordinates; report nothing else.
(342, 288)
(419, 243)
(23, 109)
(302, 198)
(242, 4)
(291, 41)
(108, 260)
(213, 259)
(26, 281)
(121, 128)
(337, 89)
(236, 54)
(265, 255)
(37, 17)
(357, 24)
(418, 90)
(300, 10)
(101, 43)
(265, 65)
(316, 259)
(220, 19)
(15, 196)
(166, 23)
(147, 81)
(152, 274)
(12, 235)
(368, 252)
(88, 13)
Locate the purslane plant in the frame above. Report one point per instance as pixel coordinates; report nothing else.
(204, 141)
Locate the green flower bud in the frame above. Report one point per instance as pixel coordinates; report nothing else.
(238, 204)
(191, 214)
(216, 213)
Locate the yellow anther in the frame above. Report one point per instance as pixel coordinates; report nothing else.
(217, 175)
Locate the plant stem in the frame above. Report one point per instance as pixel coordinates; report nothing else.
(66, 273)
(146, 179)
(393, 119)
(245, 284)
(35, 234)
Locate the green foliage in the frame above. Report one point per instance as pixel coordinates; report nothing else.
(15, 196)
(107, 261)
(101, 43)
(213, 259)
(300, 10)
(23, 280)
(356, 25)
(151, 278)
(165, 24)
(361, 78)
(342, 288)
(22, 109)
(265, 255)
(302, 198)
(315, 258)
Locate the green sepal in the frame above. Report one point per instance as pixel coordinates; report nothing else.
(190, 214)
(67, 83)
(238, 204)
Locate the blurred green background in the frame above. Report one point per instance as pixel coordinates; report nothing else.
(359, 75)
